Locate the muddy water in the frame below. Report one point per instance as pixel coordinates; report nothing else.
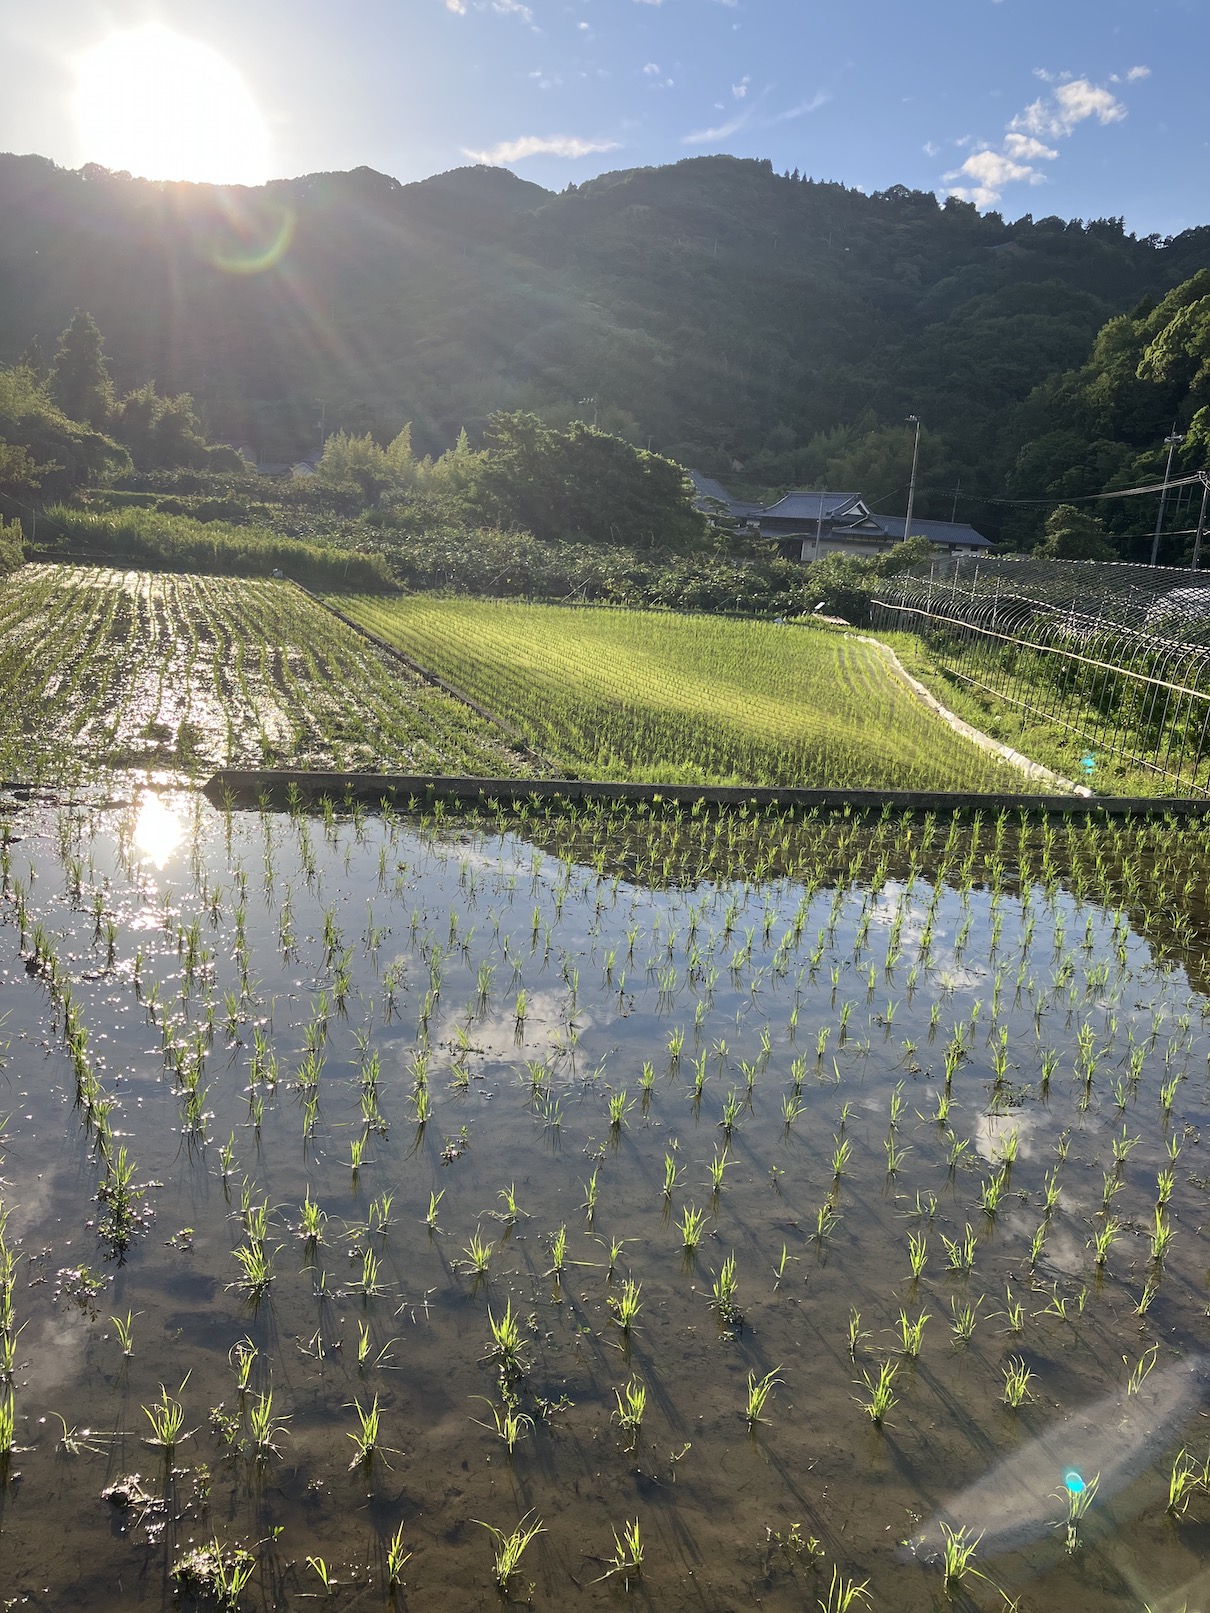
(194, 944)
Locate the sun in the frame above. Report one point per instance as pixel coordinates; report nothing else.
(162, 106)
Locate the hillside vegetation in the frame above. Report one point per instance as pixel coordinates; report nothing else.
(726, 313)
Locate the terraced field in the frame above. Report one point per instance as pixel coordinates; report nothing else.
(685, 699)
(111, 668)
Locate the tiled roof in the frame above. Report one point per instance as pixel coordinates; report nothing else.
(948, 532)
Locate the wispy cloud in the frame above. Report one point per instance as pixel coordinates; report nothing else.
(720, 131)
(753, 116)
(534, 145)
(813, 104)
(1028, 138)
(741, 89)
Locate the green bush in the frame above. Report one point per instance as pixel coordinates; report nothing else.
(176, 543)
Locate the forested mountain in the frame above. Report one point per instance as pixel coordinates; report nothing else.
(767, 326)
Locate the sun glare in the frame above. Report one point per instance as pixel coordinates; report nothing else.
(165, 107)
(157, 831)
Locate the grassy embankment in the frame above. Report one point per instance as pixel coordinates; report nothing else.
(623, 694)
(1050, 743)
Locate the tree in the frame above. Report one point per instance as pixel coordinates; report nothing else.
(582, 483)
(33, 361)
(79, 379)
(161, 433)
(1071, 534)
(41, 448)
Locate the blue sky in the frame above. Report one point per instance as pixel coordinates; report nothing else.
(1078, 107)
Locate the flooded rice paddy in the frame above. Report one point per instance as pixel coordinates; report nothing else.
(701, 1189)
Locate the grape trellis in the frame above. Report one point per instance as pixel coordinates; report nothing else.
(1118, 655)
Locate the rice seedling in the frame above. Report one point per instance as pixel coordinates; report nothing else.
(589, 1204)
(1138, 1373)
(673, 1175)
(507, 1341)
(960, 1253)
(716, 1167)
(724, 1289)
(397, 1558)
(632, 1404)
(242, 1357)
(477, 1256)
(1016, 1381)
(508, 1423)
(917, 1253)
(167, 1419)
(264, 1427)
(323, 1573)
(365, 1437)
(508, 1549)
(965, 1317)
(844, 1595)
(881, 1397)
(124, 1328)
(1161, 1235)
(690, 1227)
(759, 1390)
(857, 1337)
(957, 1553)
(625, 1306)
(1079, 1495)
(912, 1333)
(627, 1559)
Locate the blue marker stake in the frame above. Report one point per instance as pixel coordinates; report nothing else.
(1074, 1482)
(1088, 763)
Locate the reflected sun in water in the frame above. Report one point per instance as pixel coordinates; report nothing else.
(157, 831)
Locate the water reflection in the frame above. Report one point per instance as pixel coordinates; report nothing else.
(158, 831)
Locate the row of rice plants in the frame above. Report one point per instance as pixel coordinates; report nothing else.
(788, 1120)
(686, 699)
(130, 669)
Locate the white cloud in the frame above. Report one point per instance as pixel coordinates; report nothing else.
(820, 98)
(930, 150)
(721, 131)
(1070, 103)
(741, 89)
(1024, 148)
(649, 2)
(533, 145)
(513, 8)
(458, 7)
(1055, 116)
(990, 171)
(653, 69)
(1136, 73)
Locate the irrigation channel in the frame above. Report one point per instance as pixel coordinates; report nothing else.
(734, 1195)
(1116, 654)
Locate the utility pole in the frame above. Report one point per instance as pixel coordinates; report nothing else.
(1171, 442)
(323, 415)
(907, 523)
(1201, 521)
(954, 511)
(819, 527)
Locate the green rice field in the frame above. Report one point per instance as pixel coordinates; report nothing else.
(686, 699)
(106, 668)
